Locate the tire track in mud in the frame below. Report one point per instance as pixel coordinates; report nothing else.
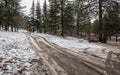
(63, 62)
(99, 67)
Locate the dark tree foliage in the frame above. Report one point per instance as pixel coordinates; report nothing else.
(73, 18)
(32, 15)
(69, 19)
(45, 17)
(82, 16)
(111, 19)
(10, 12)
(54, 16)
(38, 20)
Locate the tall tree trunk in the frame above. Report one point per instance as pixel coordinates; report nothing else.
(100, 23)
(44, 28)
(51, 29)
(110, 37)
(116, 38)
(6, 27)
(11, 27)
(78, 27)
(0, 27)
(62, 33)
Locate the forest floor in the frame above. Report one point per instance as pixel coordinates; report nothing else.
(42, 54)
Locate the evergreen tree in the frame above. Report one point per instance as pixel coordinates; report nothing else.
(38, 17)
(32, 14)
(111, 19)
(62, 17)
(101, 39)
(96, 28)
(82, 15)
(15, 14)
(54, 16)
(102, 14)
(10, 9)
(24, 21)
(45, 17)
(68, 19)
(2, 13)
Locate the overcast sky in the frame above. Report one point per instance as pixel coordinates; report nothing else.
(28, 4)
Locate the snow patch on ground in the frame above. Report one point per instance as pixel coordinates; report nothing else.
(15, 45)
(17, 56)
(77, 45)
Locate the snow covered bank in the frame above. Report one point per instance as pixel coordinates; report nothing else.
(77, 45)
(15, 45)
(17, 57)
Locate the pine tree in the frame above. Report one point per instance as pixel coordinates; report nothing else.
(2, 13)
(69, 19)
(10, 10)
(45, 17)
(103, 6)
(7, 14)
(111, 20)
(82, 15)
(96, 28)
(54, 16)
(32, 14)
(15, 14)
(62, 18)
(100, 22)
(38, 17)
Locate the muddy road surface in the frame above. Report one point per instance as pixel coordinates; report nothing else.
(59, 60)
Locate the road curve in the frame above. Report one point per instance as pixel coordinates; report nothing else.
(61, 62)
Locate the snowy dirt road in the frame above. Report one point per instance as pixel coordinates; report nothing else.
(30, 54)
(60, 61)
